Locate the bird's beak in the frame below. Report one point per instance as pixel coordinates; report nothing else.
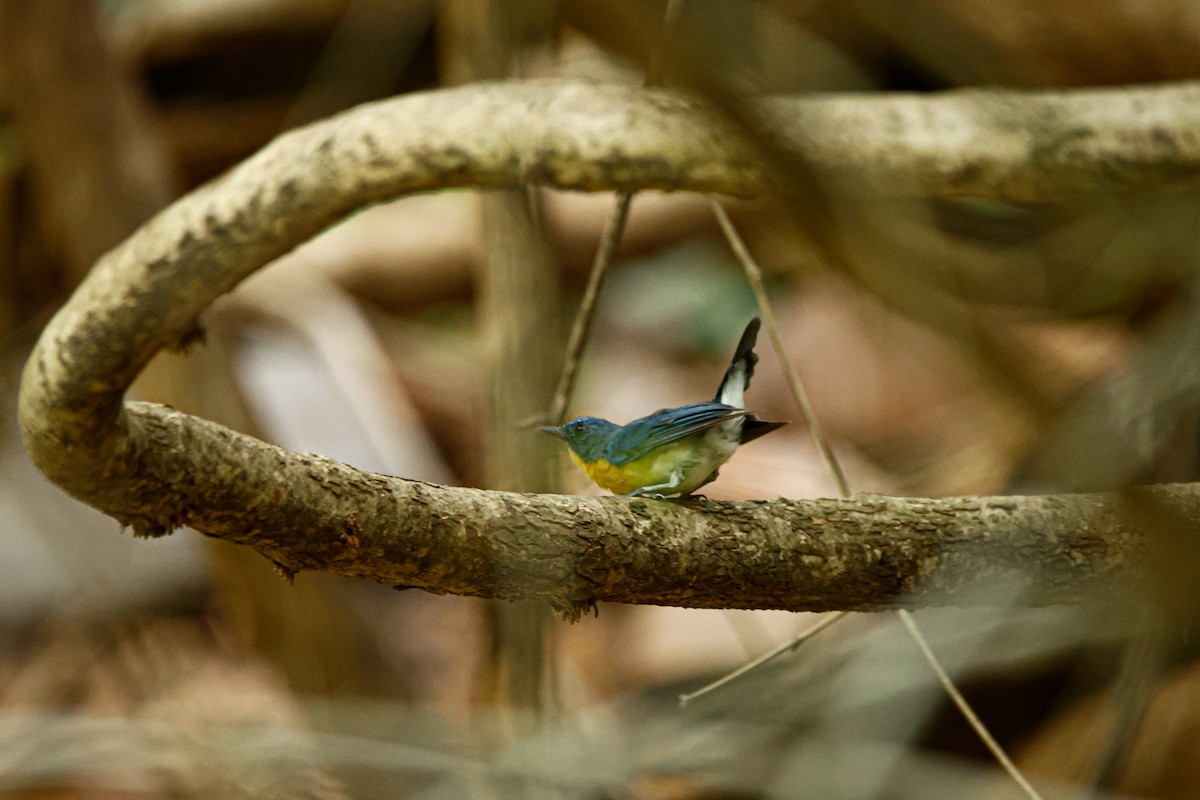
(551, 429)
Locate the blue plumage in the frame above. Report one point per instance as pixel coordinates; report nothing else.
(633, 441)
(673, 450)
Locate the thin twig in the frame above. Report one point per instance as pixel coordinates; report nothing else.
(754, 274)
(792, 644)
(964, 707)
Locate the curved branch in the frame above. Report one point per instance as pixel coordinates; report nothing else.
(156, 469)
(307, 512)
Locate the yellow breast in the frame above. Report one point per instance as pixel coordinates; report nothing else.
(649, 470)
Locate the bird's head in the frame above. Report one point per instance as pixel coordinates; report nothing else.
(587, 436)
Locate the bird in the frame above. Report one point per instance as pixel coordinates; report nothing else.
(673, 451)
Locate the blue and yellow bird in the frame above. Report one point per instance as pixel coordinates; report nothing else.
(673, 450)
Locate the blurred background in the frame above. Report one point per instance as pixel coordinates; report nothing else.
(417, 337)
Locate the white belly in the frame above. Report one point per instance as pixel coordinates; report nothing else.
(715, 448)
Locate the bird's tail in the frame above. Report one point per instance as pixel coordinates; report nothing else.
(741, 369)
(753, 427)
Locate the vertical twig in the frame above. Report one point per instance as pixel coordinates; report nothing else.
(754, 274)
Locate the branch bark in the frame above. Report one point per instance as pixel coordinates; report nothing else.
(155, 469)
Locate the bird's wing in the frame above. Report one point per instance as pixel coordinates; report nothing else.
(641, 436)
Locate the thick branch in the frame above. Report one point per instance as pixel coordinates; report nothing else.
(868, 552)
(156, 469)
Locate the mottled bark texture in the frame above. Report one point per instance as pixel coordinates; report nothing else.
(155, 469)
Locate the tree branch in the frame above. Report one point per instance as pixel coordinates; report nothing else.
(868, 552)
(155, 469)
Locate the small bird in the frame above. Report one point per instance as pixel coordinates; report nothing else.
(673, 450)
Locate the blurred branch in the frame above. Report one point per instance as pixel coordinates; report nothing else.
(517, 301)
(98, 163)
(1138, 427)
(156, 469)
(1029, 146)
(174, 29)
